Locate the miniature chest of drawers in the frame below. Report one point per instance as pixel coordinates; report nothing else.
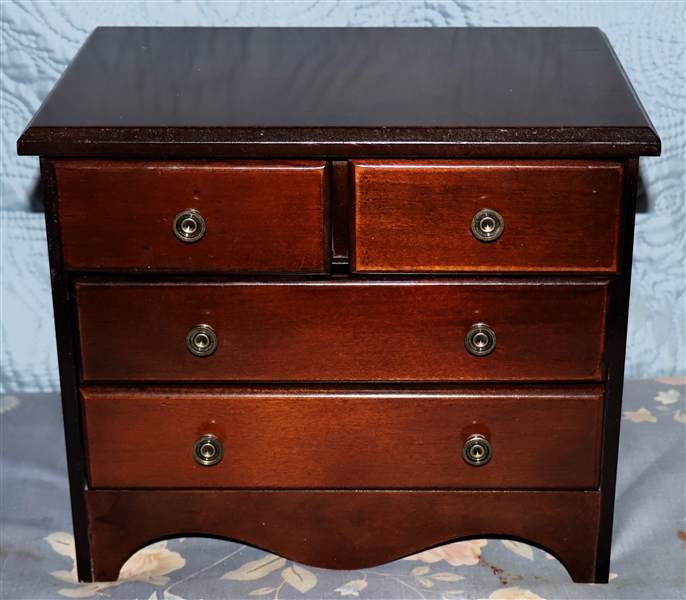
(342, 294)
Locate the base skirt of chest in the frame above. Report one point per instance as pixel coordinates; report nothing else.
(345, 529)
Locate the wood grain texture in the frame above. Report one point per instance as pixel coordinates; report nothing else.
(333, 95)
(117, 215)
(344, 530)
(340, 218)
(342, 92)
(542, 438)
(342, 331)
(618, 317)
(560, 216)
(65, 331)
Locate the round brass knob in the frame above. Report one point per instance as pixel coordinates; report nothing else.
(480, 340)
(189, 226)
(208, 450)
(477, 450)
(201, 340)
(487, 225)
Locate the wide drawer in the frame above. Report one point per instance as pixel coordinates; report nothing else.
(342, 331)
(557, 216)
(344, 439)
(258, 216)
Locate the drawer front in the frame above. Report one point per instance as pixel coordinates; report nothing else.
(557, 216)
(341, 331)
(540, 438)
(258, 216)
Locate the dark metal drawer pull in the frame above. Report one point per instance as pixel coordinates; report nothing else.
(201, 340)
(477, 450)
(208, 450)
(487, 225)
(189, 226)
(480, 340)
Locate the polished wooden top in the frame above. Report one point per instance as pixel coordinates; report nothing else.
(342, 92)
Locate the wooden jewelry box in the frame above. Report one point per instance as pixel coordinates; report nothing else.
(342, 294)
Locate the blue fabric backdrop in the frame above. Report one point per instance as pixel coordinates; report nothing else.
(40, 38)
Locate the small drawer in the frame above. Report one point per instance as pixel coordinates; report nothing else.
(484, 215)
(230, 216)
(538, 438)
(435, 330)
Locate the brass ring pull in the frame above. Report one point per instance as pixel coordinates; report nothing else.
(477, 450)
(208, 450)
(480, 340)
(487, 225)
(189, 226)
(201, 340)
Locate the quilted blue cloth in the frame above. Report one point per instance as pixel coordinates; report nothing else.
(39, 39)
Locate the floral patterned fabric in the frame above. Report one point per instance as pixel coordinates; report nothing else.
(37, 547)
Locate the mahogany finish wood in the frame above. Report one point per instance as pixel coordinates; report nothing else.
(118, 215)
(343, 92)
(343, 331)
(542, 121)
(618, 313)
(415, 216)
(344, 530)
(67, 344)
(340, 217)
(542, 438)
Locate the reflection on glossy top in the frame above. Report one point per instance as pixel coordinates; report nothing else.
(337, 77)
